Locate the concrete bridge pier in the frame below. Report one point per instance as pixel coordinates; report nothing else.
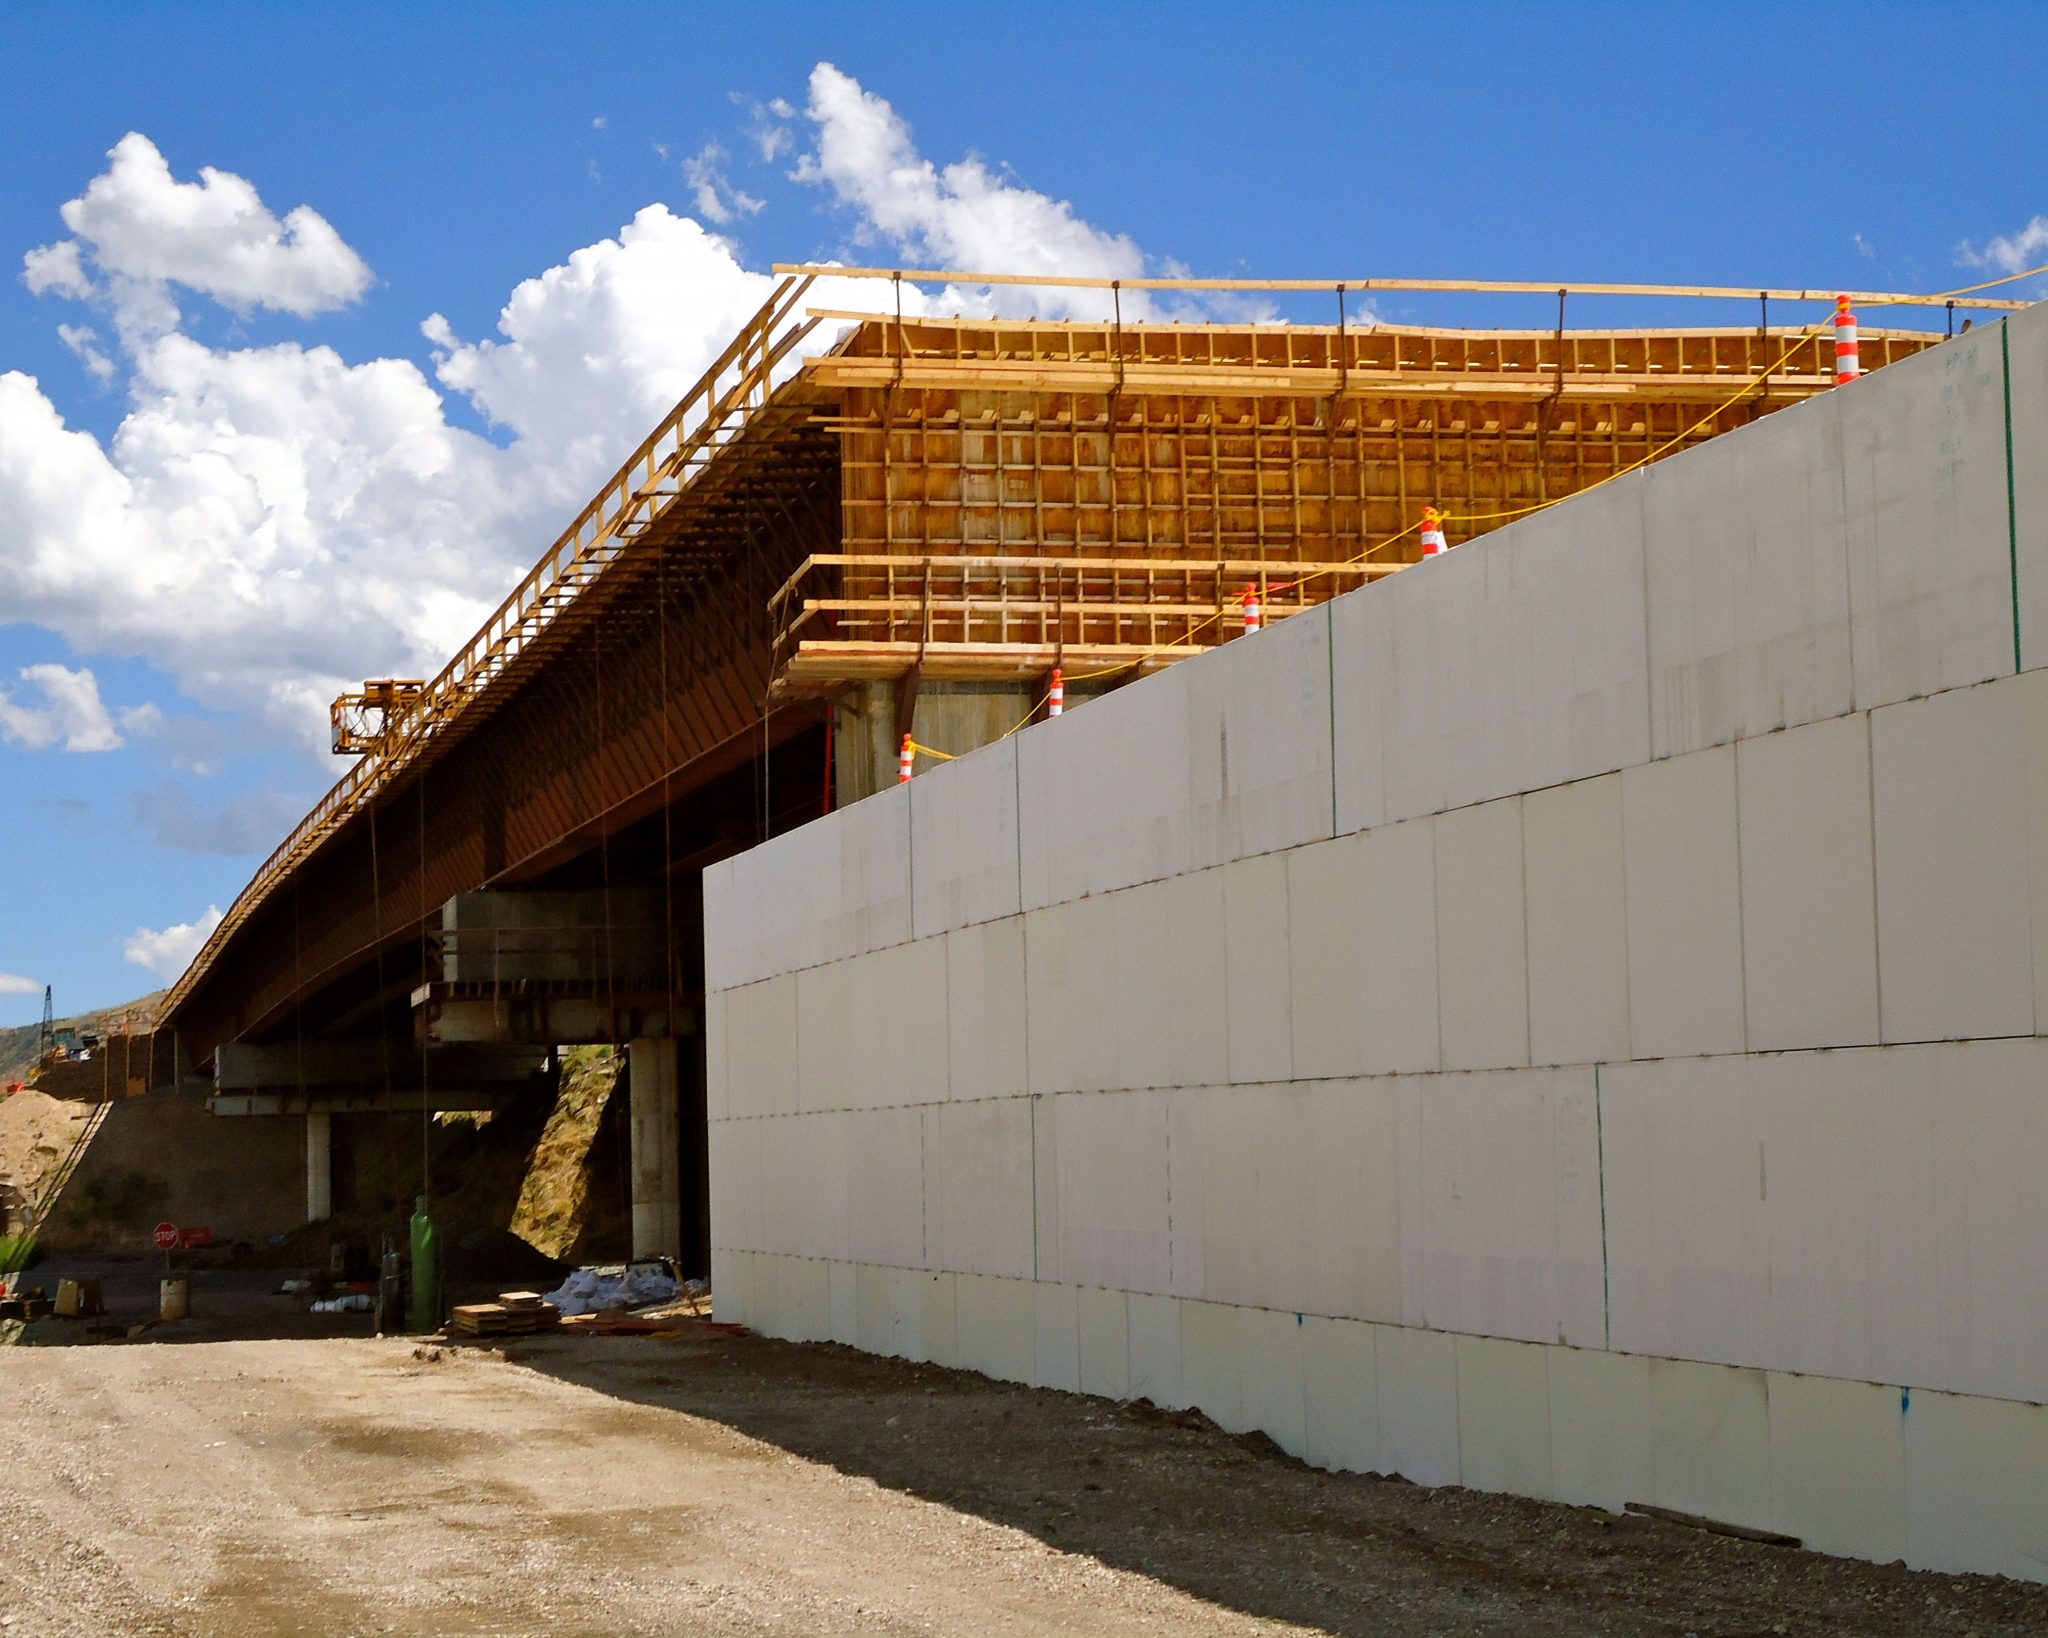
(654, 1085)
(319, 1166)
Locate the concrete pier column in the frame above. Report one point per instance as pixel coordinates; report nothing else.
(319, 1167)
(657, 1149)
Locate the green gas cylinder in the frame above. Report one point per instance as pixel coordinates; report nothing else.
(426, 1270)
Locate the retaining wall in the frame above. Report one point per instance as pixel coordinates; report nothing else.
(1568, 1019)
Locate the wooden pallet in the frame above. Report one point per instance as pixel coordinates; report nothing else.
(524, 1317)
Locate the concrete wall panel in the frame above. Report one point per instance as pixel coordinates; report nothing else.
(1172, 1019)
(1711, 1441)
(1838, 1465)
(985, 1010)
(1503, 1416)
(1154, 1333)
(1599, 1428)
(1104, 1319)
(1924, 475)
(1809, 907)
(2027, 341)
(834, 888)
(1271, 1344)
(1056, 1337)
(1362, 953)
(1257, 998)
(1974, 1496)
(1361, 682)
(1749, 582)
(1577, 922)
(1683, 887)
(1481, 942)
(1212, 1361)
(1416, 1373)
(963, 841)
(1103, 1190)
(1353, 1189)
(998, 1326)
(1519, 661)
(761, 1068)
(1506, 1237)
(884, 1187)
(1070, 988)
(1954, 927)
(1340, 1394)
(978, 1185)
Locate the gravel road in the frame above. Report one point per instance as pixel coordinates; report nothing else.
(707, 1484)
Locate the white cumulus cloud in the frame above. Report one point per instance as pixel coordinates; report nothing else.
(169, 952)
(71, 713)
(962, 215)
(271, 524)
(143, 231)
(2010, 252)
(11, 984)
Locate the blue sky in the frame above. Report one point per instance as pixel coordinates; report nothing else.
(217, 519)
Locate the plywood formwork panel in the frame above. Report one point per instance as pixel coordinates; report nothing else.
(1748, 593)
(1481, 938)
(940, 1318)
(1683, 887)
(1362, 953)
(1577, 922)
(963, 841)
(717, 1081)
(985, 1010)
(1954, 926)
(1103, 1190)
(1809, 907)
(1930, 573)
(978, 1189)
(1354, 1193)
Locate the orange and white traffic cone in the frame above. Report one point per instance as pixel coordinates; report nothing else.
(904, 761)
(1254, 616)
(1848, 361)
(1056, 696)
(1432, 532)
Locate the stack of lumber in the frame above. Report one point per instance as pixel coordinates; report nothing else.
(514, 1314)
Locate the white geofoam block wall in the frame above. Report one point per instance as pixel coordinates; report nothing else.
(1565, 1020)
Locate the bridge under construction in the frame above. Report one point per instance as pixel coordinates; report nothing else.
(859, 543)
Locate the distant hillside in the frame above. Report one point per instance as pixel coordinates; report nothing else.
(18, 1045)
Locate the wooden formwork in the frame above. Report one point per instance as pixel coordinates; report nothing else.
(1016, 495)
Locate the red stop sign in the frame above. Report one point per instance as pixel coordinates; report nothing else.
(166, 1236)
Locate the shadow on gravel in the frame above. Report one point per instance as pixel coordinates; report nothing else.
(1236, 1522)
